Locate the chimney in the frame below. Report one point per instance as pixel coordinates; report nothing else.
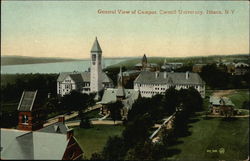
(70, 133)
(165, 75)
(156, 74)
(61, 119)
(187, 74)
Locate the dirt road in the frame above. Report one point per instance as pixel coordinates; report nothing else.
(220, 93)
(96, 122)
(67, 117)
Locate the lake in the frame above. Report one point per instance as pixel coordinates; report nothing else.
(58, 67)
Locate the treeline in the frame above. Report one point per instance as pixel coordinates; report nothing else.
(129, 64)
(134, 143)
(17, 83)
(218, 78)
(12, 87)
(14, 60)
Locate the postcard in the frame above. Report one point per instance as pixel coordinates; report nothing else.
(125, 80)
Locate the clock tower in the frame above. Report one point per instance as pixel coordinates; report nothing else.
(96, 68)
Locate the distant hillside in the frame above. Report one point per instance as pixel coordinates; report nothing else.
(15, 60)
(129, 64)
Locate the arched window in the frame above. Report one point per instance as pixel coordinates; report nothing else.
(25, 119)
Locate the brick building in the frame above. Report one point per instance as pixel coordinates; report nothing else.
(32, 141)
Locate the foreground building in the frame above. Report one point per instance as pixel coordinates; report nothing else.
(32, 141)
(85, 82)
(152, 83)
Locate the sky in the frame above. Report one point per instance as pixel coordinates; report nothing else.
(68, 29)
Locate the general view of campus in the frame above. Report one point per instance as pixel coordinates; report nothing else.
(129, 111)
(142, 106)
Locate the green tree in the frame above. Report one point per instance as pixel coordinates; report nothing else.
(146, 151)
(114, 149)
(215, 77)
(115, 110)
(76, 101)
(171, 100)
(142, 151)
(96, 156)
(137, 130)
(85, 123)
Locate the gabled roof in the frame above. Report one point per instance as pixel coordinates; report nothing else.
(49, 142)
(82, 77)
(96, 47)
(35, 145)
(220, 101)
(57, 127)
(27, 101)
(76, 77)
(109, 95)
(62, 76)
(147, 77)
(9, 135)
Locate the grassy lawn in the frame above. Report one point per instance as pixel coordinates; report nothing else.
(214, 134)
(239, 97)
(94, 139)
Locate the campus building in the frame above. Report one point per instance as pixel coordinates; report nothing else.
(32, 141)
(146, 66)
(152, 83)
(85, 82)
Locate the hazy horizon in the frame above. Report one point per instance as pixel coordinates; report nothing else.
(117, 57)
(67, 29)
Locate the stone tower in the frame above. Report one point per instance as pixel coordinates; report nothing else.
(144, 62)
(96, 68)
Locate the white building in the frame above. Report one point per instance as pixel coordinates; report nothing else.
(152, 83)
(85, 82)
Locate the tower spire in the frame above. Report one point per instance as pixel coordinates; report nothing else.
(96, 46)
(120, 88)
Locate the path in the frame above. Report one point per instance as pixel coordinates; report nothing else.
(104, 117)
(220, 93)
(159, 128)
(95, 122)
(72, 115)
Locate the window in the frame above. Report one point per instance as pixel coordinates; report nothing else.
(25, 119)
(93, 57)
